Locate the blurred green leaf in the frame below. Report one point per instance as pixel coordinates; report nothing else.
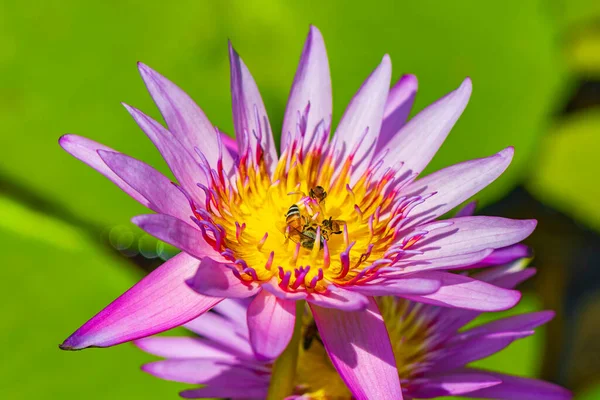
(66, 68)
(566, 169)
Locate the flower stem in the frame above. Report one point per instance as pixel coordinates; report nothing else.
(284, 369)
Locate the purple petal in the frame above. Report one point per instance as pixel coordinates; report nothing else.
(339, 298)
(185, 119)
(416, 143)
(463, 292)
(312, 85)
(235, 311)
(399, 286)
(519, 388)
(158, 302)
(506, 255)
(467, 211)
(359, 347)
(362, 120)
(271, 325)
(223, 333)
(249, 114)
(470, 235)
(397, 107)
(460, 261)
(452, 384)
(507, 276)
(227, 392)
(177, 233)
(485, 340)
(455, 184)
(184, 347)
(164, 197)
(204, 371)
(179, 159)
(86, 150)
(230, 144)
(216, 280)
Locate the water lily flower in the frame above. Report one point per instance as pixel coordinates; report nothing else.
(431, 350)
(330, 222)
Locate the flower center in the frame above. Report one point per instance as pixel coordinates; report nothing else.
(311, 223)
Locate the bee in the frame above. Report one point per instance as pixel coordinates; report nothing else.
(333, 225)
(293, 219)
(318, 193)
(300, 229)
(310, 333)
(308, 238)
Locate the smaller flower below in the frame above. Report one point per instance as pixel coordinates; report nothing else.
(432, 352)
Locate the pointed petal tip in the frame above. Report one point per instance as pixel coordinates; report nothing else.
(409, 80)
(508, 152)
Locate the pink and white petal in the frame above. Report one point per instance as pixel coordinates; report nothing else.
(359, 347)
(467, 211)
(186, 121)
(519, 388)
(312, 85)
(86, 150)
(180, 161)
(234, 310)
(397, 108)
(452, 384)
(164, 197)
(459, 261)
(360, 125)
(216, 280)
(185, 347)
(463, 292)
(271, 325)
(470, 235)
(250, 120)
(227, 392)
(454, 185)
(398, 287)
(158, 302)
(203, 371)
(416, 143)
(339, 298)
(177, 233)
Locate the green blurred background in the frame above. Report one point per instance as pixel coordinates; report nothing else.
(67, 243)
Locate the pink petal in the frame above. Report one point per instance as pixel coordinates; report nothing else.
(271, 325)
(467, 211)
(249, 114)
(463, 292)
(339, 298)
(223, 333)
(158, 302)
(519, 388)
(397, 108)
(164, 197)
(185, 119)
(184, 347)
(417, 142)
(470, 235)
(177, 233)
(455, 184)
(506, 255)
(506, 276)
(230, 144)
(86, 150)
(359, 347)
(362, 120)
(453, 384)
(399, 286)
(273, 287)
(312, 85)
(216, 280)
(179, 159)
